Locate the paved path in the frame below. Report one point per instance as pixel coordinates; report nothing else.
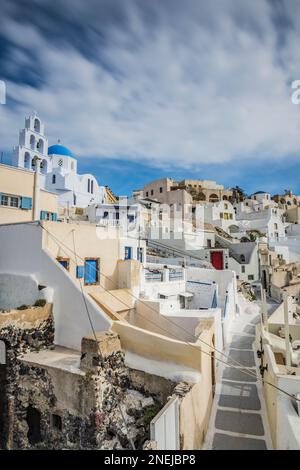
(238, 419)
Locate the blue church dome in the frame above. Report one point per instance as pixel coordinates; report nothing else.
(58, 149)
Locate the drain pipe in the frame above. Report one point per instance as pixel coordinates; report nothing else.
(287, 330)
(36, 192)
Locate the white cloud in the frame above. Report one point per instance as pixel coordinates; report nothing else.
(207, 82)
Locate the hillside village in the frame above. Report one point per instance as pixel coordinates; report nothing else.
(166, 320)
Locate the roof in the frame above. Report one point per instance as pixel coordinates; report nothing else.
(58, 149)
(260, 192)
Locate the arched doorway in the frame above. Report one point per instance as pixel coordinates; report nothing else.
(213, 198)
(40, 146)
(27, 160)
(44, 166)
(32, 142)
(37, 125)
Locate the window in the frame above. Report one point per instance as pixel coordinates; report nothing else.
(276, 226)
(250, 277)
(64, 262)
(48, 215)
(79, 272)
(92, 186)
(140, 254)
(160, 189)
(152, 192)
(88, 187)
(243, 269)
(57, 422)
(226, 206)
(208, 243)
(147, 194)
(242, 258)
(60, 162)
(53, 179)
(10, 201)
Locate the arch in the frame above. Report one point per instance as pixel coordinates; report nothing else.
(233, 228)
(44, 166)
(32, 142)
(242, 259)
(40, 146)
(37, 125)
(282, 201)
(27, 160)
(289, 203)
(200, 197)
(213, 198)
(33, 164)
(295, 201)
(225, 198)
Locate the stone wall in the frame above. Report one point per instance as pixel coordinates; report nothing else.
(20, 334)
(104, 395)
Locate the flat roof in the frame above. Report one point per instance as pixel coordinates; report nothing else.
(58, 358)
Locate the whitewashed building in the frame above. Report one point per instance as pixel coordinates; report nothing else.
(58, 167)
(259, 214)
(221, 214)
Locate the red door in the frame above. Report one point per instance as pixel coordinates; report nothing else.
(216, 259)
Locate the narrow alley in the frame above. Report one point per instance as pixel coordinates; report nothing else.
(238, 419)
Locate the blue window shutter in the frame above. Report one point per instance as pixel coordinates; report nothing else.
(43, 215)
(26, 203)
(79, 272)
(54, 216)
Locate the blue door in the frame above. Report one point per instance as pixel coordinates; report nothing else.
(127, 252)
(90, 272)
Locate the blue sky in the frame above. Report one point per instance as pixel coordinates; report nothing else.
(143, 89)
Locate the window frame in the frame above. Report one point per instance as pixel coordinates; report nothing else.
(9, 198)
(66, 260)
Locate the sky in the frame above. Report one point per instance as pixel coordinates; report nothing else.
(142, 89)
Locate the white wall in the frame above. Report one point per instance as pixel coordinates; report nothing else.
(16, 290)
(21, 253)
(288, 420)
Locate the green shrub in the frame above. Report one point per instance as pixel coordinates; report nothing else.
(40, 303)
(23, 307)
